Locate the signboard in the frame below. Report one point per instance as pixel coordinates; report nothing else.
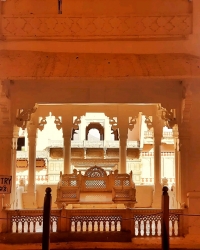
(5, 184)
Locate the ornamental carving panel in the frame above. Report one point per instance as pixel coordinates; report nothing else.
(96, 27)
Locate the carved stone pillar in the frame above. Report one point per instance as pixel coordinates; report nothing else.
(122, 153)
(157, 167)
(67, 152)
(123, 123)
(30, 196)
(14, 160)
(67, 126)
(177, 166)
(32, 136)
(6, 134)
(5, 169)
(107, 131)
(185, 139)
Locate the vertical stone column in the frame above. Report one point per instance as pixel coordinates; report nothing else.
(5, 169)
(32, 135)
(29, 198)
(13, 161)
(67, 152)
(107, 131)
(122, 153)
(157, 166)
(177, 166)
(123, 123)
(184, 137)
(67, 125)
(82, 128)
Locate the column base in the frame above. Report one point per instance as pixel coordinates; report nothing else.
(29, 200)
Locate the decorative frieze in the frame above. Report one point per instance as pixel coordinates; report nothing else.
(96, 27)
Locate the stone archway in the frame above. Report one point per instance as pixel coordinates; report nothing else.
(95, 125)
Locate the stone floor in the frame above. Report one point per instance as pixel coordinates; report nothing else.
(140, 243)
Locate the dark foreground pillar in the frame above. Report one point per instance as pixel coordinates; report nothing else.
(165, 219)
(46, 220)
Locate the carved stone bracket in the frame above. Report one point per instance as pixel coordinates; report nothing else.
(42, 123)
(169, 117)
(23, 116)
(113, 123)
(148, 121)
(76, 122)
(58, 123)
(132, 123)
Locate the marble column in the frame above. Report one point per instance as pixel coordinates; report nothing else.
(122, 153)
(122, 124)
(67, 126)
(13, 162)
(29, 198)
(157, 167)
(67, 152)
(184, 162)
(32, 136)
(177, 166)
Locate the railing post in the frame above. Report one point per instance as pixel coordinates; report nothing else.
(46, 220)
(165, 219)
